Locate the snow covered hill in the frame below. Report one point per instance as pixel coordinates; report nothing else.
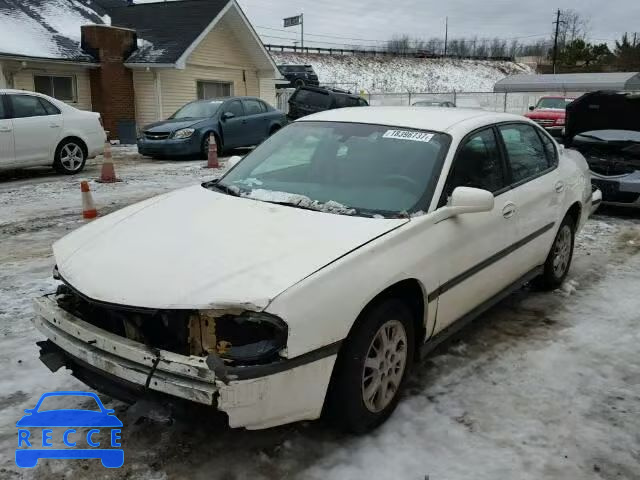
(400, 74)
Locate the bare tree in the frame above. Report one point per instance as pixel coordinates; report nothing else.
(573, 26)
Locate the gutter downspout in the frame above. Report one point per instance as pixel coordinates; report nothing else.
(158, 91)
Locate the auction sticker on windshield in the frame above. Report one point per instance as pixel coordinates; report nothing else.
(414, 136)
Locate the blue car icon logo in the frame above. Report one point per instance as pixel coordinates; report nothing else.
(100, 422)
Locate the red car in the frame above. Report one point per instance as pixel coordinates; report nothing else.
(550, 113)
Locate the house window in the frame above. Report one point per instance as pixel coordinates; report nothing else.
(208, 90)
(60, 87)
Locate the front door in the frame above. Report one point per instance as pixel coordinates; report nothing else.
(234, 129)
(37, 126)
(476, 245)
(258, 120)
(6, 134)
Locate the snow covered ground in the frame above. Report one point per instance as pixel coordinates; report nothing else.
(401, 75)
(544, 386)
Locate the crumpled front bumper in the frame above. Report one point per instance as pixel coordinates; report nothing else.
(261, 398)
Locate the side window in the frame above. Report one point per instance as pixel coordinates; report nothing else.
(235, 107)
(26, 106)
(253, 107)
(49, 107)
(526, 153)
(265, 107)
(477, 164)
(549, 148)
(3, 113)
(341, 101)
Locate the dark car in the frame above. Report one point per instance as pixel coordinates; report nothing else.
(308, 100)
(235, 122)
(298, 75)
(605, 127)
(434, 103)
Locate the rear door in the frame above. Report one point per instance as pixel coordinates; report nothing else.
(37, 127)
(234, 130)
(535, 182)
(6, 134)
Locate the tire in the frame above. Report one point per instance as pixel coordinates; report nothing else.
(70, 157)
(205, 146)
(558, 263)
(359, 397)
(299, 83)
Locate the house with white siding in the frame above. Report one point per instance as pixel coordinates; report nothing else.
(135, 64)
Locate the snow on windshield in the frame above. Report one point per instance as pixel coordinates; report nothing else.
(299, 200)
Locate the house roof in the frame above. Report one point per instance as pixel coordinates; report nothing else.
(166, 28)
(570, 82)
(48, 28)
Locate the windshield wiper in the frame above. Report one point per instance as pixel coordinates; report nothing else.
(233, 191)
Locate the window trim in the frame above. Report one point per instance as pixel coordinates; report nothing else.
(201, 80)
(506, 171)
(514, 185)
(74, 86)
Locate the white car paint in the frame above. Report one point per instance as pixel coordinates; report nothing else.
(197, 248)
(32, 141)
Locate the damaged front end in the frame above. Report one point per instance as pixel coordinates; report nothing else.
(604, 127)
(232, 359)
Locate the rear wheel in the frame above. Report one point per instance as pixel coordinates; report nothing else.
(372, 367)
(70, 157)
(558, 263)
(299, 83)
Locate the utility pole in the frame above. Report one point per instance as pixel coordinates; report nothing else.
(302, 31)
(446, 34)
(555, 41)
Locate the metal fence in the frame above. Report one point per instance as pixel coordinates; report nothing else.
(517, 103)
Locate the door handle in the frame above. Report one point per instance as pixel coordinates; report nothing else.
(509, 210)
(54, 125)
(559, 187)
(5, 129)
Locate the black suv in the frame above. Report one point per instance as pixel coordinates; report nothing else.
(298, 75)
(308, 100)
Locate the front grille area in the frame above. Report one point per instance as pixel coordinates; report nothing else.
(163, 329)
(156, 135)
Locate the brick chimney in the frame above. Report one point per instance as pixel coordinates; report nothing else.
(112, 83)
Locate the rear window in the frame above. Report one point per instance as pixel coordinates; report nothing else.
(311, 98)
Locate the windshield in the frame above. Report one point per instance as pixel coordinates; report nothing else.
(554, 103)
(198, 110)
(347, 168)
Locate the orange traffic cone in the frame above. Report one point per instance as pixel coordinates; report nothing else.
(212, 156)
(88, 207)
(108, 173)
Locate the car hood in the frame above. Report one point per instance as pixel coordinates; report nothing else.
(196, 248)
(172, 125)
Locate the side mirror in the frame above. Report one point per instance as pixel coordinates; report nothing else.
(233, 161)
(532, 108)
(227, 115)
(469, 200)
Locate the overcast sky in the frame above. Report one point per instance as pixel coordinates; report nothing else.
(367, 20)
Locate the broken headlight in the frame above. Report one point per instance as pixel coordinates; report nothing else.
(248, 338)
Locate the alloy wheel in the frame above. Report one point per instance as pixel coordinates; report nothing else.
(384, 366)
(71, 156)
(562, 251)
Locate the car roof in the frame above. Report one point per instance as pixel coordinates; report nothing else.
(226, 99)
(435, 119)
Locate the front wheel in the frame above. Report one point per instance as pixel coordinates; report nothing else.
(205, 147)
(556, 267)
(372, 367)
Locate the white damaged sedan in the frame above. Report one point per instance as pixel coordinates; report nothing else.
(312, 276)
